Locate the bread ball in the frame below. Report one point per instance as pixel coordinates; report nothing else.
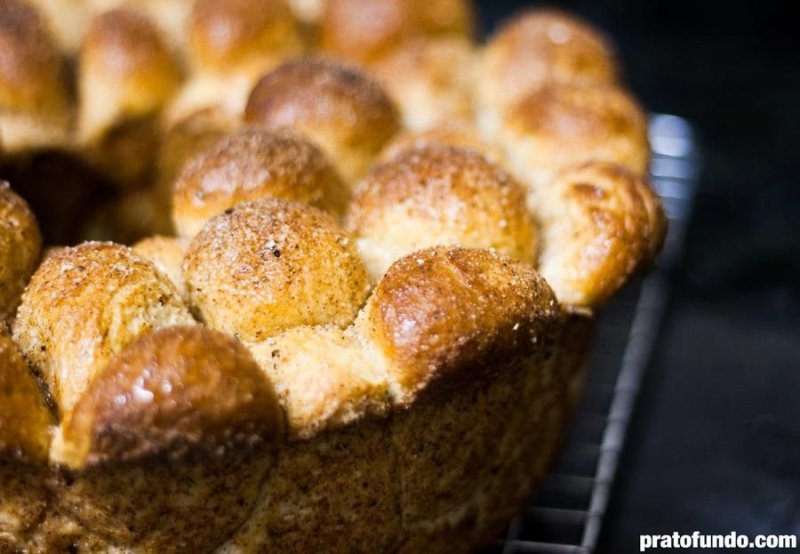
(20, 246)
(232, 44)
(171, 16)
(167, 254)
(345, 112)
(174, 389)
(538, 47)
(562, 125)
(252, 164)
(457, 134)
(600, 223)
(83, 305)
(365, 30)
(438, 313)
(430, 79)
(34, 99)
(126, 74)
(439, 195)
(262, 267)
(236, 33)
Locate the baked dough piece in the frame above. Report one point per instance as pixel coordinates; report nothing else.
(167, 447)
(562, 125)
(430, 79)
(438, 195)
(541, 46)
(171, 16)
(264, 266)
(249, 165)
(344, 111)
(126, 74)
(457, 134)
(34, 100)
(20, 246)
(601, 223)
(232, 44)
(83, 305)
(365, 30)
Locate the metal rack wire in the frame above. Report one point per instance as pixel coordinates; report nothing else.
(567, 512)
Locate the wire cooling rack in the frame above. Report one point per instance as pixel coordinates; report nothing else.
(567, 512)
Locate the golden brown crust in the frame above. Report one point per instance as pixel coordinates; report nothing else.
(173, 392)
(167, 254)
(601, 223)
(458, 134)
(24, 417)
(34, 101)
(439, 195)
(83, 305)
(430, 79)
(364, 30)
(20, 246)
(228, 35)
(250, 165)
(540, 46)
(265, 266)
(415, 316)
(345, 112)
(562, 125)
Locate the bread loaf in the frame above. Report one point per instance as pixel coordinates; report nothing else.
(341, 109)
(369, 330)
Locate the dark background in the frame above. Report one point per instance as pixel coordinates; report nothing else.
(715, 443)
